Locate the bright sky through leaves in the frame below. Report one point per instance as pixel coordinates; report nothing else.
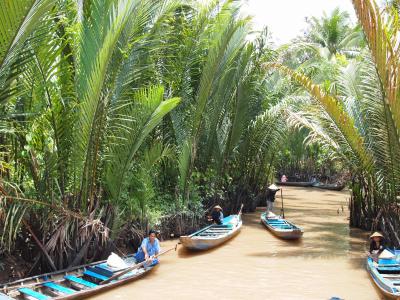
(286, 18)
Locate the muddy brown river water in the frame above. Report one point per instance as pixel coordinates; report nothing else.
(328, 261)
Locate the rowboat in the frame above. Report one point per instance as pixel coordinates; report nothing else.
(386, 274)
(213, 235)
(331, 187)
(293, 183)
(75, 283)
(281, 227)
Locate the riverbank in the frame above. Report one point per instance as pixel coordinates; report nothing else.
(327, 262)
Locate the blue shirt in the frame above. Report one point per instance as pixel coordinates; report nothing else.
(152, 249)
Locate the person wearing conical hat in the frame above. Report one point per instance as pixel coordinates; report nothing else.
(271, 191)
(216, 215)
(377, 245)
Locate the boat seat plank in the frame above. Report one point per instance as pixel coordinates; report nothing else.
(80, 281)
(95, 275)
(208, 235)
(222, 226)
(216, 228)
(34, 294)
(389, 265)
(59, 288)
(388, 268)
(277, 222)
(389, 276)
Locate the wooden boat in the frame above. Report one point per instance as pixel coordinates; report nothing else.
(293, 183)
(386, 274)
(213, 235)
(281, 227)
(331, 187)
(76, 283)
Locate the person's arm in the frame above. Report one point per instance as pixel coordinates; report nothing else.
(157, 247)
(381, 247)
(144, 248)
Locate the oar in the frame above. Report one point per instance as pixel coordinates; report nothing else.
(283, 211)
(240, 210)
(135, 266)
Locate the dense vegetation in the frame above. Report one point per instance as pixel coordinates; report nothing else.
(117, 115)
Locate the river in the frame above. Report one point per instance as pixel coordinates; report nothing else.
(328, 261)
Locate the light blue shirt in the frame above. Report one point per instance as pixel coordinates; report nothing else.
(152, 249)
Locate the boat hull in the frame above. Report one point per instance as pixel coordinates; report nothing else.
(386, 286)
(292, 233)
(37, 283)
(198, 242)
(331, 187)
(291, 183)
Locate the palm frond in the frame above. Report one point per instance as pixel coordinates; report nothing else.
(335, 110)
(385, 52)
(18, 20)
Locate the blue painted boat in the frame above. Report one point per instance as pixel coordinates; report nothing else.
(76, 283)
(386, 274)
(213, 235)
(281, 227)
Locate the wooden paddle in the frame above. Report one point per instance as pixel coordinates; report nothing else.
(240, 210)
(115, 276)
(283, 211)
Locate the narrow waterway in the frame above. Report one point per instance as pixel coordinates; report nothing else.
(327, 262)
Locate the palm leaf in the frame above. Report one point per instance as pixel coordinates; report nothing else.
(385, 51)
(131, 124)
(335, 110)
(18, 19)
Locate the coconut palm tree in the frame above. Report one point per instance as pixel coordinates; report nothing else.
(361, 122)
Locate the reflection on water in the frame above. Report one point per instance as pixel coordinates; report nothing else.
(328, 261)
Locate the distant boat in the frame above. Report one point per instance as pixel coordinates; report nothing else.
(386, 274)
(332, 187)
(281, 227)
(213, 235)
(293, 183)
(75, 283)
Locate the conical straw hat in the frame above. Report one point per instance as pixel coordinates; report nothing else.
(218, 207)
(376, 233)
(273, 187)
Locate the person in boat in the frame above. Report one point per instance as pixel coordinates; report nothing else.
(283, 178)
(216, 215)
(314, 179)
(271, 192)
(148, 249)
(376, 245)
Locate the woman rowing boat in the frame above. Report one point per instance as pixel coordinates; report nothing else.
(148, 249)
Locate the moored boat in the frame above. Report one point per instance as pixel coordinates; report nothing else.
(386, 274)
(76, 283)
(213, 235)
(331, 187)
(281, 227)
(293, 183)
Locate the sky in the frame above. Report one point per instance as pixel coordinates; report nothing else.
(286, 18)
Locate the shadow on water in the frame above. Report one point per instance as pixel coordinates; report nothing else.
(188, 253)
